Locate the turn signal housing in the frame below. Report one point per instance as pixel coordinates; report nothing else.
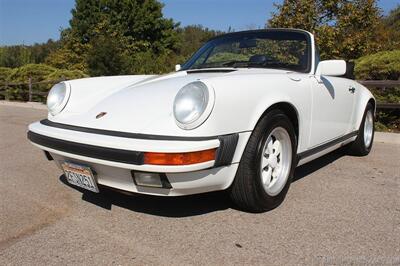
(186, 158)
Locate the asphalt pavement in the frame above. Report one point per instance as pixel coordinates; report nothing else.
(339, 210)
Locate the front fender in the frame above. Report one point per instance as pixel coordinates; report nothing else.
(241, 102)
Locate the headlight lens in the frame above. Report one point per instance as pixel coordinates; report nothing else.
(57, 98)
(190, 103)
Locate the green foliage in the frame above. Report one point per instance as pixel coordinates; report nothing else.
(379, 66)
(14, 56)
(61, 74)
(386, 95)
(105, 57)
(392, 20)
(343, 29)
(392, 26)
(67, 57)
(5, 72)
(19, 55)
(388, 120)
(110, 37)
(192, 37)
(38, 73)
(227, 56)
(149, 63)
(382, 66)
(125, 27)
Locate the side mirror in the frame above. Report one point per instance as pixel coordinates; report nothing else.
(350, 71)
(177, 67)
(331, 68)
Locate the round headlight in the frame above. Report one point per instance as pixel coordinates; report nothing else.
(191, 104)
(57, 98)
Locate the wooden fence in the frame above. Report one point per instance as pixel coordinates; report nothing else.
(378, 84)
(29, 86)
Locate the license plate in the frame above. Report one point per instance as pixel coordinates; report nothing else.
(81, 176)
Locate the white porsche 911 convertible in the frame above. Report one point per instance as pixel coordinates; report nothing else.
(239, 115)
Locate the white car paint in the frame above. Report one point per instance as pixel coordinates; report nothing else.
(332, 109)
(326, 110)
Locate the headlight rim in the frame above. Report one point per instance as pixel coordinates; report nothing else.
(206, 113)
(60, 107)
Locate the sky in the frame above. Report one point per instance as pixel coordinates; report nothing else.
(36, 21)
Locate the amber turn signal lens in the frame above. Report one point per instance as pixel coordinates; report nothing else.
(179, 158)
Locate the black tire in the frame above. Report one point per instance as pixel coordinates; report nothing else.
(247, 190)
(358, 146)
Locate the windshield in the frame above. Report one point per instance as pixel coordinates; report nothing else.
(278, 49)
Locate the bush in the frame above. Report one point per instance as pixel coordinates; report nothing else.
(38, 73)
(4, 76)
(66, 74)
(388, 120)
(5, 72)
(149, 63)
(379, 66)
(382, 66)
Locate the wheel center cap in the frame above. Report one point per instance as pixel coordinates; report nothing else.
(273, 161)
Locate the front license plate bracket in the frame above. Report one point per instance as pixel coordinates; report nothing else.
(80, 175)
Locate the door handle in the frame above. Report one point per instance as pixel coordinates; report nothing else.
(352, 89)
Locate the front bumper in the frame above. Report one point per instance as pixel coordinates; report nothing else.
(114, 157)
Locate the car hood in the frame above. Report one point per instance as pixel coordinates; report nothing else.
(145, 106)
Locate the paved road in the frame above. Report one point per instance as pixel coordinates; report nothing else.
(340, 210)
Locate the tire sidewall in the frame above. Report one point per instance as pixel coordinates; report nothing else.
(361, 136)
(273, 120)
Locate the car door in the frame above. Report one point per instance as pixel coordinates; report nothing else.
(332, 108)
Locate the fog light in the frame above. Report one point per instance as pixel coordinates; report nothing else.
(150, 179)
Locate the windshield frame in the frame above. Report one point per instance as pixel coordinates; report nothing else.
(210, 43)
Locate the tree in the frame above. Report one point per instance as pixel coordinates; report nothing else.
(105, 57)
(19, 55)
(37, 72)
(392, 25)
(135, 26)
(343, 28)
(5, 72)
(14, 56)
(392, 20)
(192, 37)
(380, 66)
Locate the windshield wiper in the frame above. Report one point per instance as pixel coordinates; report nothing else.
(236, 64)
(231, 63)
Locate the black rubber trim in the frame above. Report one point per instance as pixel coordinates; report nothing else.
(224, 154)
(226, 149)
(210, 70)
(325, 146)
(49, 123)
(48, 156)
(109, 154)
